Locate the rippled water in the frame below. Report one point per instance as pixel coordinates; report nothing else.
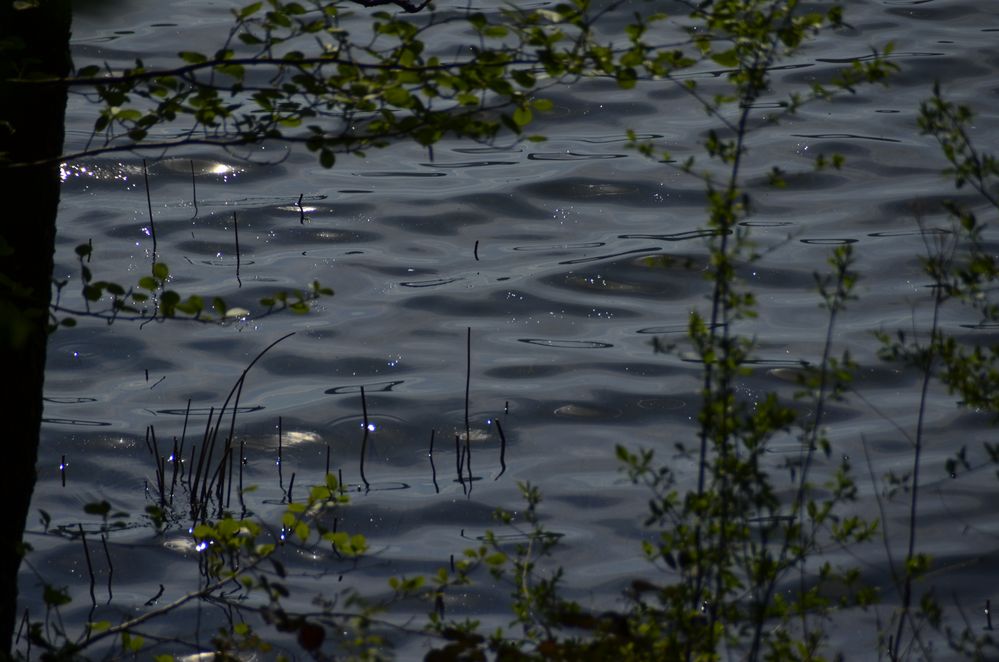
(543, 251)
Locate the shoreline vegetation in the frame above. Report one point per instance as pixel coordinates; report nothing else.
(737, 554)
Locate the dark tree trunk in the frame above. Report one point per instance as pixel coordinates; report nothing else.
(32, 41)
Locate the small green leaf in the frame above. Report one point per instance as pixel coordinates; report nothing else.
(543, 105)
(726, 58)
(192, 57)
(55, 597)
(249, 10)
(99, 626)
(170, 299)
(522, 116)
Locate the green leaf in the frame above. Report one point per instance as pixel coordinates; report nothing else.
(131, 643)
(232, 70)
(55, 597)
(92, 292)
(727, 58)
(398, 96)
(170, 299)
(543, 104)
(192, 57)
(99, 626)
(161, 271)
(249, 10)
(327, 158)
(522, 116)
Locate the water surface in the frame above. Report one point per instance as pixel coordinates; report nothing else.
(565, 259)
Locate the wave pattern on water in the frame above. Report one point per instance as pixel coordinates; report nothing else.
(569, 264)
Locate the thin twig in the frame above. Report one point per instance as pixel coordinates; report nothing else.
(90, 567)
(107, 555)
(364, 439)
(194, 190)
(468, 383)
(149, 205)
(235, 231)
(499, 428)
(433, 469)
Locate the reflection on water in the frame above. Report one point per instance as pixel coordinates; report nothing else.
(566, 260)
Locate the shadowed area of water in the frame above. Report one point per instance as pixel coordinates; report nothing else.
(567, 260)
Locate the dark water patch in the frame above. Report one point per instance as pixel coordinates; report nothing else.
(469, 164)
(112, 349)
(288, 364)
(628, 278)
(487, 150)
(572, 156)
(565, 344)
(590, 501)
(528, 371)
(75, 422)
(618, 138)
(433, 282)
(916, 232)
(766, 224)
(778, 363)
(829, 241)
(608, 256)
(677, 236)
(762, 274)
(628, 194)
(845, 136)
(204, 411)
(227, 263)
(399, 173)
(512, 205)
(440, 224)
(370, 387)
(560, 249)
(662, 404)
(449, 513)
(921, 206)
(516, 304)
(618, 408)
(670, 328)
(896, 444)
(809, 181)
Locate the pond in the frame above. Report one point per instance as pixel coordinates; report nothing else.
(537, 255)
